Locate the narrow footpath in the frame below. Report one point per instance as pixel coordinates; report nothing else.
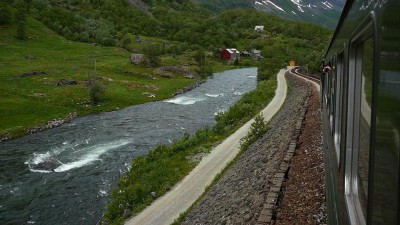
(168, 207)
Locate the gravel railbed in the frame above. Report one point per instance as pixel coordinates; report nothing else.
(303, 200)
(239, 195)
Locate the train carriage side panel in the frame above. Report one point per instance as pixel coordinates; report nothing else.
(361, 115)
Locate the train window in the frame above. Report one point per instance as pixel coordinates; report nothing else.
(365, 122)
(359, 127)
(338, 104)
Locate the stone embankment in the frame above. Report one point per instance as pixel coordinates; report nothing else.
(252, 185)
(53, 123)
(189, 88)
(50, 124)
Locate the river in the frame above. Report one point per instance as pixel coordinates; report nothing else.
(95, 150)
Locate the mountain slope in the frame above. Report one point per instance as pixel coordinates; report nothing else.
(325, 13)
(322, 12)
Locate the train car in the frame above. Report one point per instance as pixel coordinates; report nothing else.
(360, 101)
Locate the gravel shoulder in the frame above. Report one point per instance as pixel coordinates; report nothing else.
(239, 195)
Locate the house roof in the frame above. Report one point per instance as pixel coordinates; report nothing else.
(259, 28)
(232, 50)
(245, 52)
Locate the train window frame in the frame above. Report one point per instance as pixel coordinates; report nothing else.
(338, 117)
(331, 94)
(352, 197)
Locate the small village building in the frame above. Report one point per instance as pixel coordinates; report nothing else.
(259, 28)
(230, 54)
(245, 54)
(256, 54)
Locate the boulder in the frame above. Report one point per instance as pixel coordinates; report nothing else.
(66, 83)
(49, 165)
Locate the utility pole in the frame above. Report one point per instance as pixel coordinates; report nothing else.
(95, 68)
(91, 60)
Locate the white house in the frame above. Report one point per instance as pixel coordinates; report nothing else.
(259, 28)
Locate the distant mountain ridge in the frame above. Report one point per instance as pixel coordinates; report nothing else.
(322, 12)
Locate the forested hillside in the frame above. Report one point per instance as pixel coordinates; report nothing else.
(109, 22)
(321, 12)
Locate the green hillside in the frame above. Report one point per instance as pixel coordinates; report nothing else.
(26, 101)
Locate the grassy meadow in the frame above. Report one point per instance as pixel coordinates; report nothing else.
(33, 100)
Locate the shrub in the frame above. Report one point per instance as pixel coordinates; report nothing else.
(96, 92)
(257, 130)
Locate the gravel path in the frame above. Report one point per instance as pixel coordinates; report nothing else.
(238, 197)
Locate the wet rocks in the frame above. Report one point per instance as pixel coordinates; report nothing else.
(5, 137)
(49, 165)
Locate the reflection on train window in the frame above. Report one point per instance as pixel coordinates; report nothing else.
(365, 120)
(359, 127)
(338, 104)
(332, 83)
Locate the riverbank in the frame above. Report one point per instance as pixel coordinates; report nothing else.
(71, 116)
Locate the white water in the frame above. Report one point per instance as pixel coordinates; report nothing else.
(185, 100)
(215, 95)
(72, 158)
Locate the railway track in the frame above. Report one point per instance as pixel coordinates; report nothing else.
(313, 80)
(295, 71)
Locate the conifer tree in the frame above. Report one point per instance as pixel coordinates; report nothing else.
(20, 16)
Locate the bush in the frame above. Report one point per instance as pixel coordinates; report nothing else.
(152, 55)
(96, 92)
(257, 130)
(5, 14)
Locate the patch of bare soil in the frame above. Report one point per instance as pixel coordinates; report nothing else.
(303, 200)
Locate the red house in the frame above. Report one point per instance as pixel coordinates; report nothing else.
(230, 54)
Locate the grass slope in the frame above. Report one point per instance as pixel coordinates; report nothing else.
(29, 101)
